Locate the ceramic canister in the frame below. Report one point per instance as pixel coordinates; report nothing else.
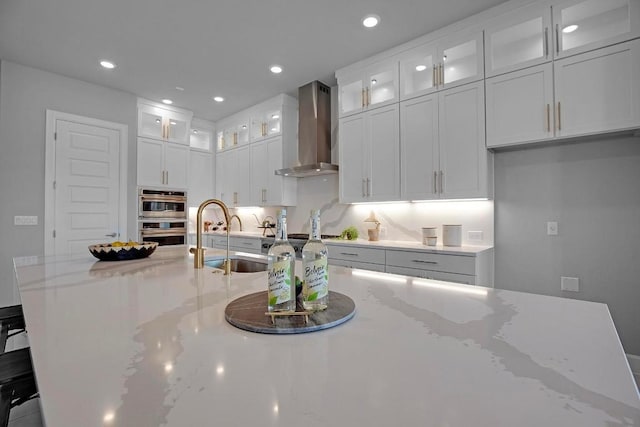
(452, 235)
(428, 232)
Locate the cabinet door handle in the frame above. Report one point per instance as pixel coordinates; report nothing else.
(441, 74)
(434, 83)
(362, 97)
(420, 261)
(557, 39)
(441, 182)
(167, 178)
(546, 42)
(559, 117)
(368, 187)
(548, 118)
(368, 98)
(348, 254)
(435, 182)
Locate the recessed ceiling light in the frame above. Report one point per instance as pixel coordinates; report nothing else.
(569, 28)
(157, 120)
(373, 81)
(107, 64)
(244, 126)
(276, 69)
(218, 98)
(195, 131)
(421, 67)
(371, 21)
(167, 101)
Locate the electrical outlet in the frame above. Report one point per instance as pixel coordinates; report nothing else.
(571, 284)
(475, 236)
(25, 220)
(552, 228)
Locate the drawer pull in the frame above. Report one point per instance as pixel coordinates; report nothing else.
(423, 262)
(348, 253)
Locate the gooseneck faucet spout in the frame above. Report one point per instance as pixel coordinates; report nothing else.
(198, 252)
(230, 219)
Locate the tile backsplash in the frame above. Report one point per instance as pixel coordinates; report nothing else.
(399, 221)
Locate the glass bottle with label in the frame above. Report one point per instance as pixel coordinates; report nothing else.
(315, 290)
(282, 261)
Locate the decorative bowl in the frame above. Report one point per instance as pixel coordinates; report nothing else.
(108, 252)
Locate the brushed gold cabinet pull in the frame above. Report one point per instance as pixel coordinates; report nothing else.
(546, 42)
(167, 178)
(435, 182)
(441, 182)
(441, 74)
(362, 97)
(368, 98)
(559, 117)
(368, 188)
(363, 192)
(548, 118)
(434, 83)
(557, 39)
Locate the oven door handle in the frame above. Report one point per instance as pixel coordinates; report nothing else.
(164, 199)
(163, 233)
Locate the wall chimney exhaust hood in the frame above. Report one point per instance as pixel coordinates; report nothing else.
(314, 132)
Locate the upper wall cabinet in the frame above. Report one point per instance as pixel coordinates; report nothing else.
(167, 124)
(450, 62)
(518, 39)
(201, 135)
(233, 131)
(371, 87)
(598, 91)
(581, 25)
(266, 121)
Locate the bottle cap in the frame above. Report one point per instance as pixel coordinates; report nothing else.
(282, 213)
(315, 212)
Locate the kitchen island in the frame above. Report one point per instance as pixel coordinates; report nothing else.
(145, 343)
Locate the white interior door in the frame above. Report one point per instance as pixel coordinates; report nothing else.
(87, 186)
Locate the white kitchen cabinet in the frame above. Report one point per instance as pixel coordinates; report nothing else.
(370, 156)
(200, 177)
(598, 91)
(202, 135)
(420, 162)
(163, 123)
(465, 164)
(469, 268)
(162, 164)
(370, 87)
(452, 61)
(233, 131)
(356, 257)
(274, 117)
(232, 177)
(520, 106)
(267, 188)
(238, 243)
(582, 25)
(518, 39)
(443, 147)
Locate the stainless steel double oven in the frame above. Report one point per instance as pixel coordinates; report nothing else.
(162, 217)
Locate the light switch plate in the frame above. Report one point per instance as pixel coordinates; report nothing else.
(571, 284)
(25, 220)
(552, 228)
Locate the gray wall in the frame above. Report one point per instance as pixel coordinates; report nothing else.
(25, 94)
(592, 188)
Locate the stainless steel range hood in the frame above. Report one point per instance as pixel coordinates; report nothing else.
(314, 133)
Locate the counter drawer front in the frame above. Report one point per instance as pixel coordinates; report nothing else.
(376, 256)
(434, 275)
(357, 264)
(246, 243)
(435, 262)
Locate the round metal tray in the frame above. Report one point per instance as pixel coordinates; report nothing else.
(248, 313)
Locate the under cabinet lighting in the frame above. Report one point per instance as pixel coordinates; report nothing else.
(167, 101)
(371, 21)
(107, 64)
(569, 29)
(276, 69)
(109, 417)
(173, 123)
(218, 98)
(421, 67)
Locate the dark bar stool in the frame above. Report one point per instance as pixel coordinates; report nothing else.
(17, 383)
(11, 323)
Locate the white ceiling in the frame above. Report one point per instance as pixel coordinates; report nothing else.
(212, 47)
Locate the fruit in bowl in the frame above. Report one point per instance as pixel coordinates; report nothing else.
(120, 251)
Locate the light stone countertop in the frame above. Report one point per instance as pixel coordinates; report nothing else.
(145, 343)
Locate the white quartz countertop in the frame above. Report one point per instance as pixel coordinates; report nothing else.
(145, 343)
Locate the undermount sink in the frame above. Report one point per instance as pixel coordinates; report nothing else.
(238, 265)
